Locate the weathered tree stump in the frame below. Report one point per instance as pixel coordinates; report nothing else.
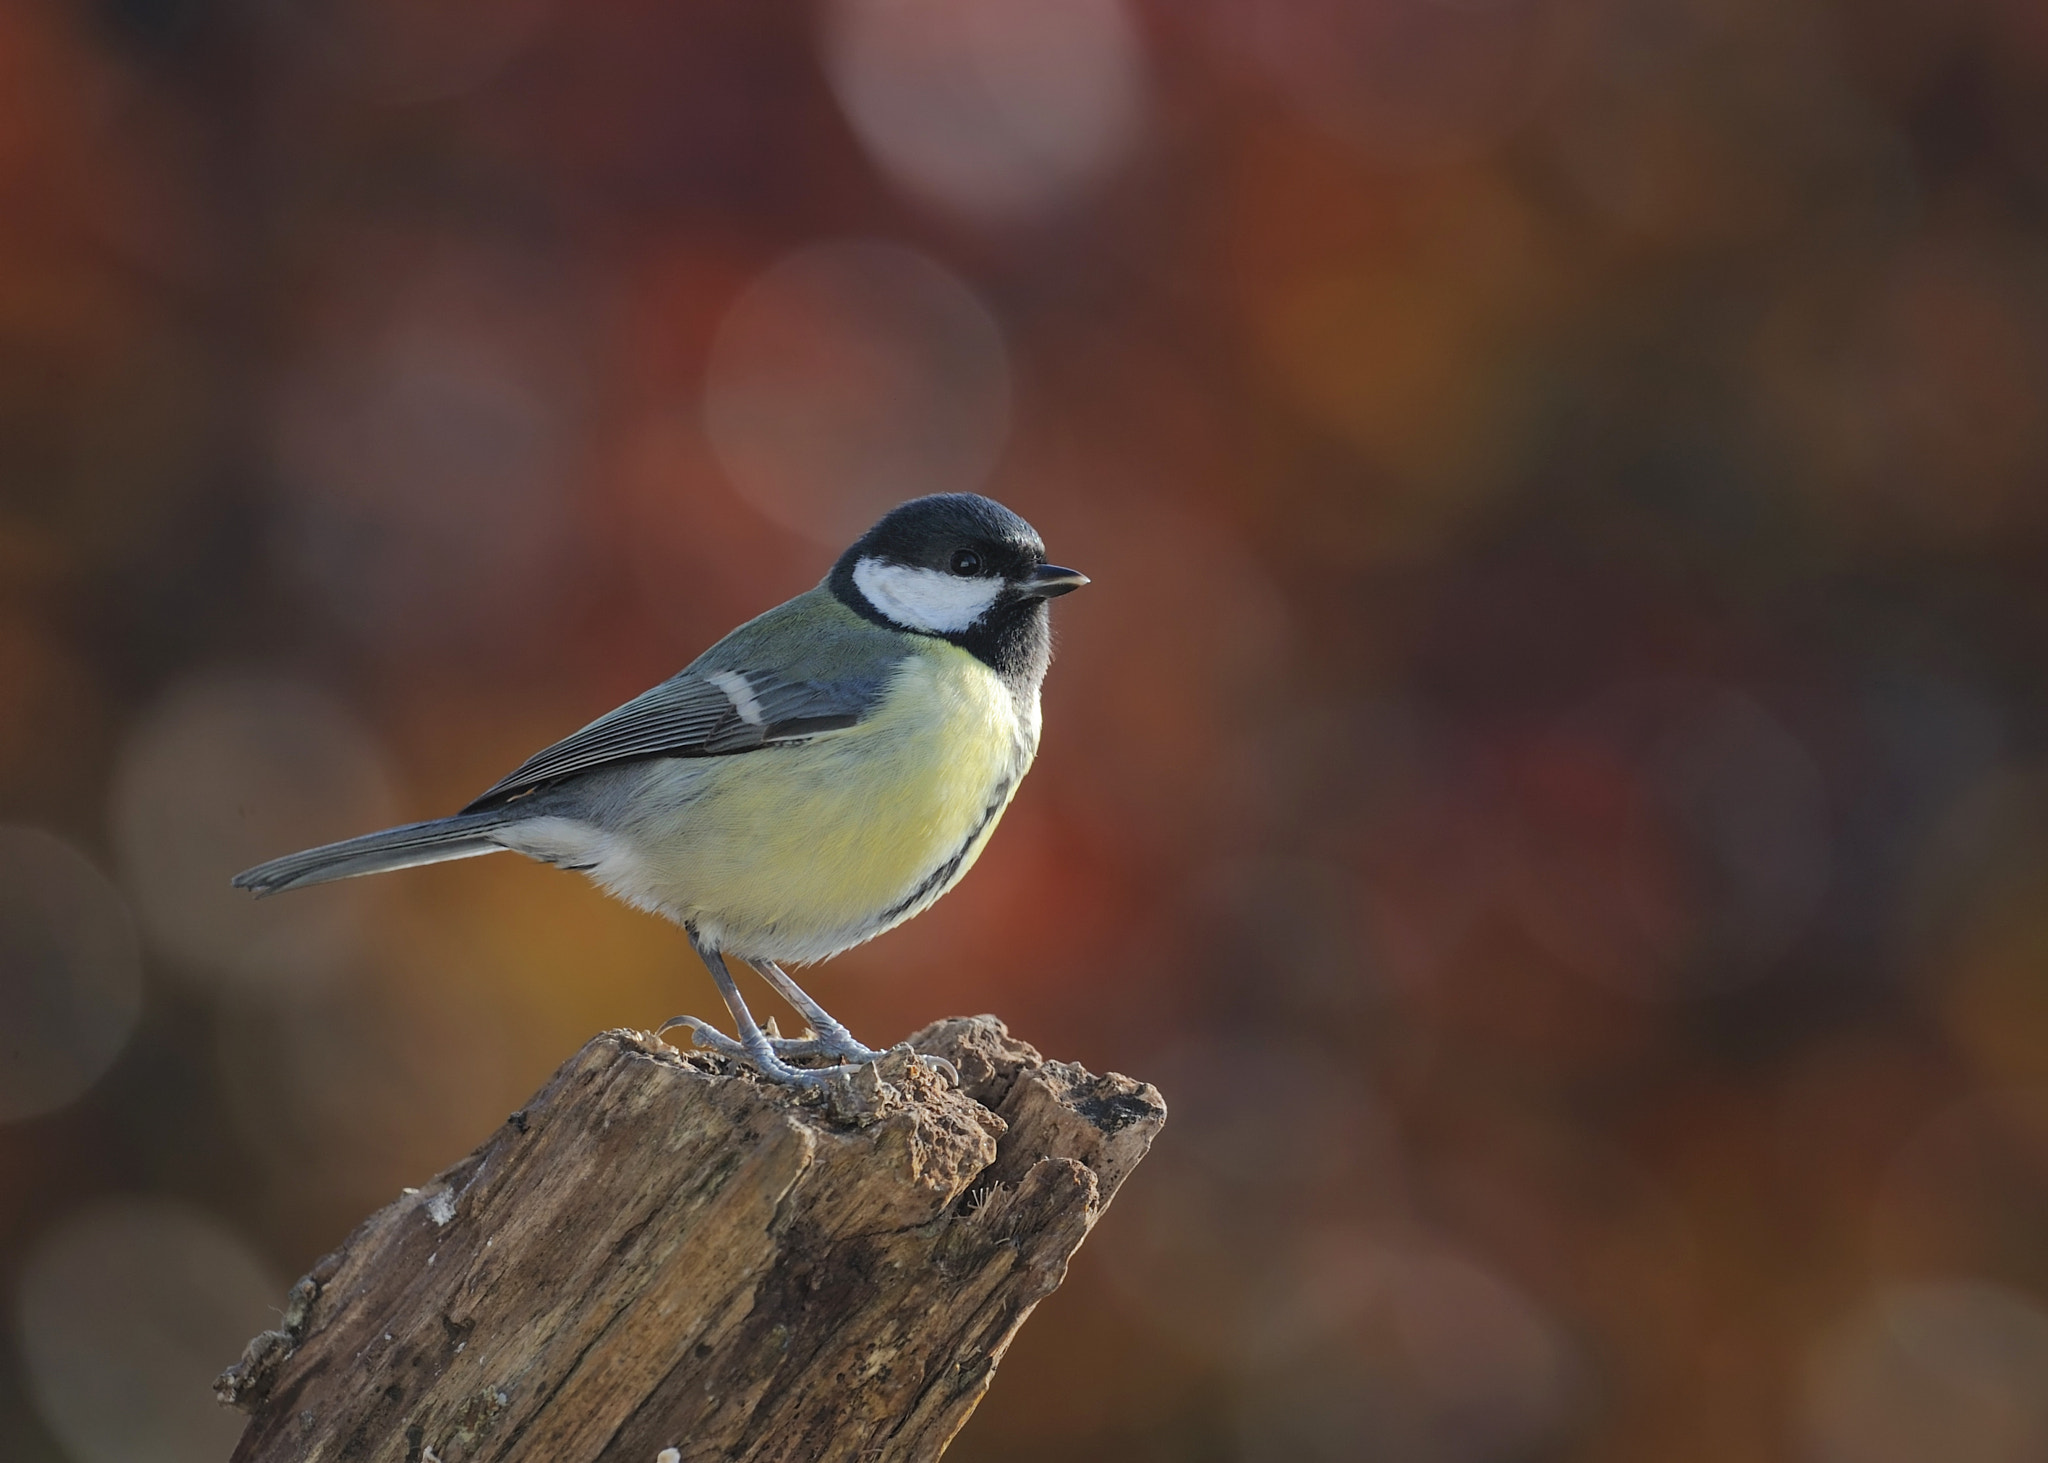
(662, 1253)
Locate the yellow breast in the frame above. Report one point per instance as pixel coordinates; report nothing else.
(796, 853)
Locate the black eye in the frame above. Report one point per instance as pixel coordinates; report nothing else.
(966, 562)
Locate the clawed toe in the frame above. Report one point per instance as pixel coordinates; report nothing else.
(818, 1046)
(846, 1053)
(777, 1070)
(704, 1034)
(843, 1048)
(768, 1063)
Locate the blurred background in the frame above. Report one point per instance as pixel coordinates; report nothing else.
(1551, 778)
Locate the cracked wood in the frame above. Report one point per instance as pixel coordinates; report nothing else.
(661, 1252)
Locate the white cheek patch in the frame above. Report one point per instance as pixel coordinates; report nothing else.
(925, 599)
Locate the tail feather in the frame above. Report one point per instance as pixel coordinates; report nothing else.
(464, 836)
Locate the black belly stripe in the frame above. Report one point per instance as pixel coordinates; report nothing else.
(943, 874)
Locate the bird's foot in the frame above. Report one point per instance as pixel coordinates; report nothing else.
(939, 1065)
(767, 1061)
(838, 1045)
(841, 1046)
(837, 1042)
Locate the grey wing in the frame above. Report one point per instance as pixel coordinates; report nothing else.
(712, 713)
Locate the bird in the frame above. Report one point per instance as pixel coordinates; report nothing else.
(822, 774)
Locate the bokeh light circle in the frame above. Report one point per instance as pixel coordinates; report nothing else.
(1412, 83)
(991, 108)
(1679, 839)
(1266, 1132)
(1956, 1370)
(850, 376)
(227, 771)
(343, 1094)
(125, 1314)
(70, 973)
(1968, 1189)
(1415, 1353)
(425, 439)
(407, 52)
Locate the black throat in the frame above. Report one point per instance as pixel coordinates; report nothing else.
(1014, 639)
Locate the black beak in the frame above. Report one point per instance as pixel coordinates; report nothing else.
(1050, 581)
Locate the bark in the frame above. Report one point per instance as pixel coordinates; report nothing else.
(663, 1253)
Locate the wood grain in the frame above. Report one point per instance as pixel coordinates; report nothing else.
(661, 1252)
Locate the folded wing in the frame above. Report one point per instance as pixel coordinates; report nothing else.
(715, 713)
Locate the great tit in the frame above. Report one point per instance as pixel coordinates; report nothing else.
(820, 775)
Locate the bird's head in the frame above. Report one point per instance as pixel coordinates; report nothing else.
(960, 567)
(943, 564)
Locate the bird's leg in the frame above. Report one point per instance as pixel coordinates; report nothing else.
(831, 1038)
(753, 1044)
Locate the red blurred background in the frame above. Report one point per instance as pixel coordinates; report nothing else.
(1548, 778)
